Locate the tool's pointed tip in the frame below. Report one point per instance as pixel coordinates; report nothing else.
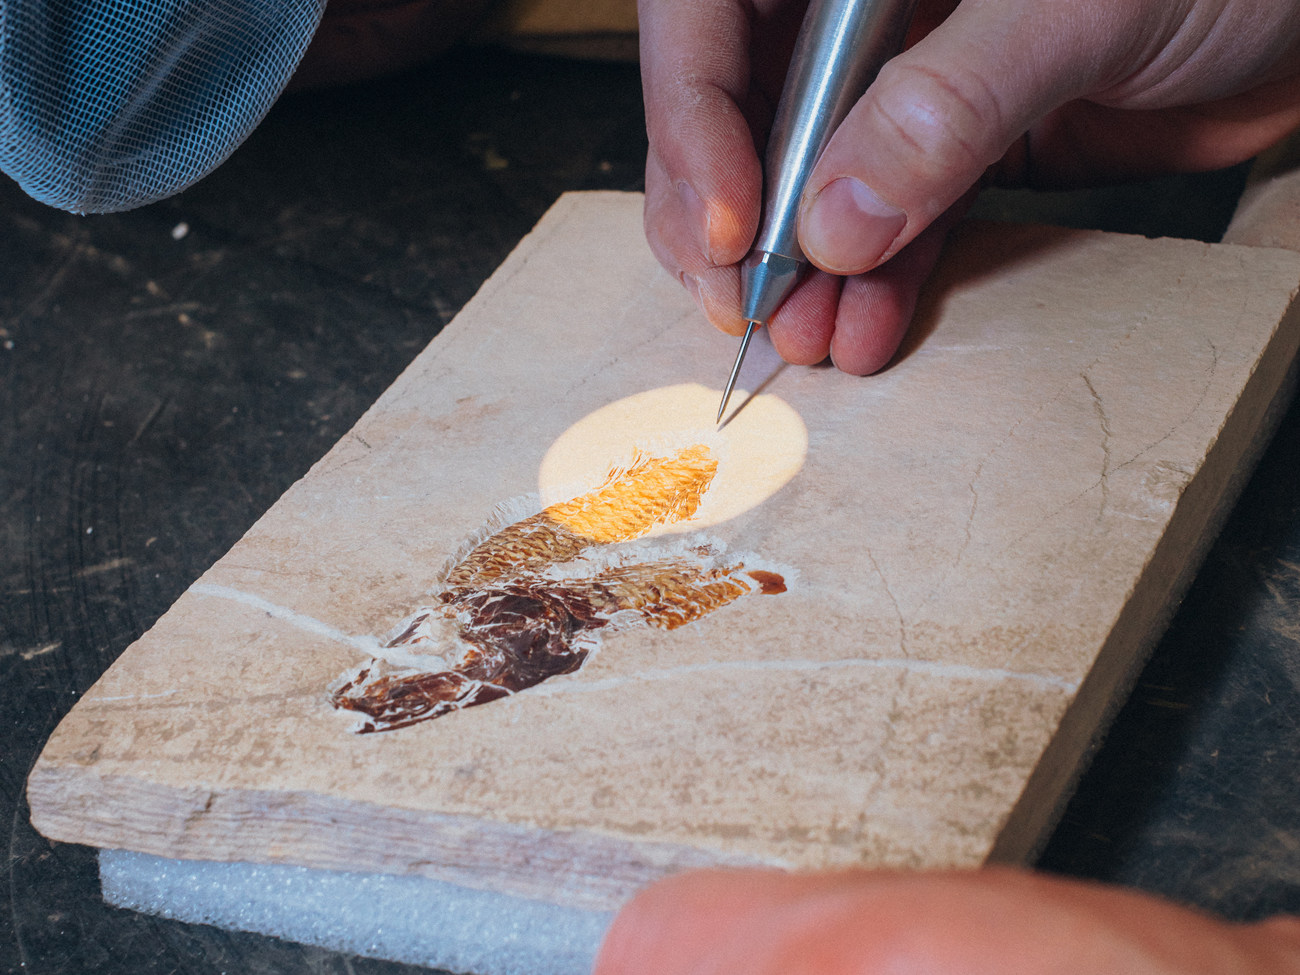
(735, 371)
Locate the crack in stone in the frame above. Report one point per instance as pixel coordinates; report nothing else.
(893, 601)
(1107, 438)
(881, 751)
(1210, 373)
(1101, 482)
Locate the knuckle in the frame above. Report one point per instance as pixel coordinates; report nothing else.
(942, 122)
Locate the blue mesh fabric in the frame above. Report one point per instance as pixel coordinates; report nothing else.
(110, 104)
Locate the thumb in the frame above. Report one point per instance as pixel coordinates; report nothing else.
(938, 116)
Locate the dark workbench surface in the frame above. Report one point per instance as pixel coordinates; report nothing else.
(159, 391)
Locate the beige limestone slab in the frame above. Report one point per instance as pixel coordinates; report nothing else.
(605, 29)
(567, 17)
(1268, 213)
(980, 544)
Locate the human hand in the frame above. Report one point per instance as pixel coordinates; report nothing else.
(1038, 92)
(995, 921)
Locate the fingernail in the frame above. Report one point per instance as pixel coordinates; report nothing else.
(697, 217)
(847, 228)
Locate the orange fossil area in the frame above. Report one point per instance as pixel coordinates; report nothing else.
(530, 601)
(649, 491)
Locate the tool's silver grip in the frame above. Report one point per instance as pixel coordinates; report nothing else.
(841, 47)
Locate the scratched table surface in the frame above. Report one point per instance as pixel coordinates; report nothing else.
(165, 374)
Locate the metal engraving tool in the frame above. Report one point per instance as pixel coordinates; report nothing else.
(841, 47)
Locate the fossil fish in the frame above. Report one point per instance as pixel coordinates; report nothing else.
(532, 599)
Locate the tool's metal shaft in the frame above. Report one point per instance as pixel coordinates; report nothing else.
(735, 370)
(841, 47)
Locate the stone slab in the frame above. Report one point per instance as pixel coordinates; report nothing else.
(979, 545)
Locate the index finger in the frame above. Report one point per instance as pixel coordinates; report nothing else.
(696, 78)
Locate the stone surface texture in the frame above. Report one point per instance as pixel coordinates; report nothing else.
(984, 538)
